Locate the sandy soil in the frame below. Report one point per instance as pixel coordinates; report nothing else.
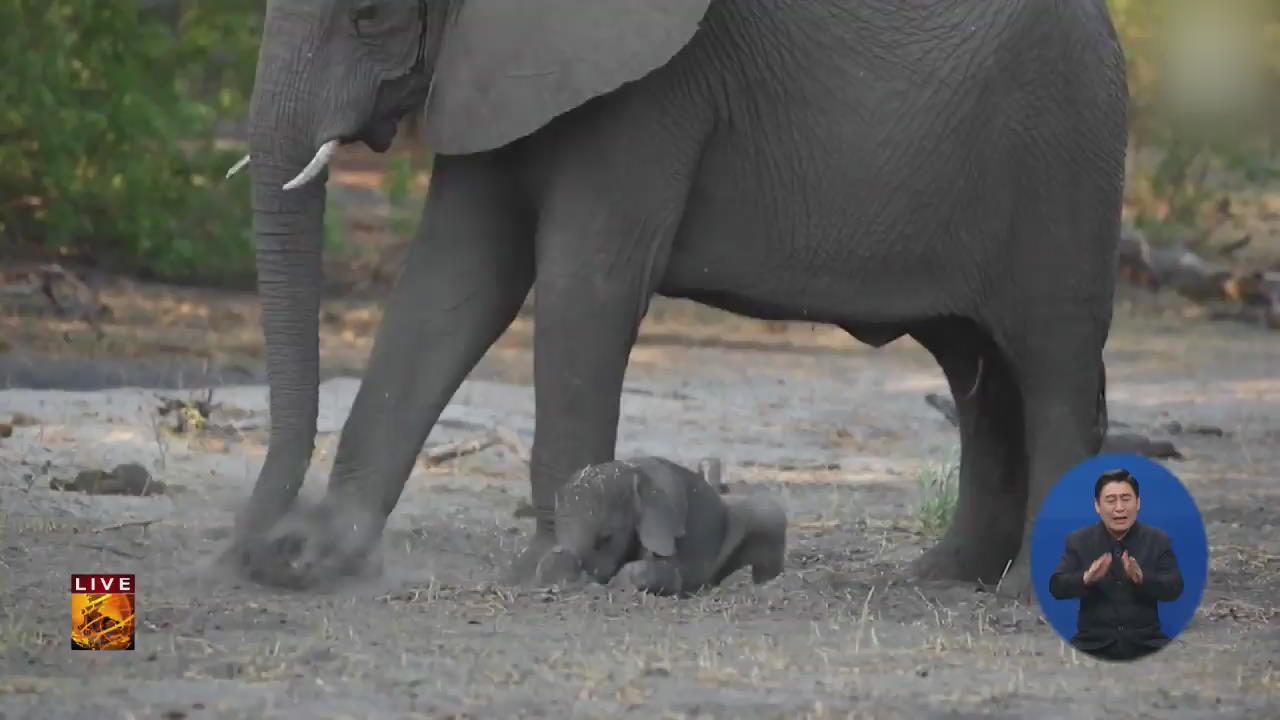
(837, 430)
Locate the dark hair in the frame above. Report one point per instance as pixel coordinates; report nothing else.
(1111, 476)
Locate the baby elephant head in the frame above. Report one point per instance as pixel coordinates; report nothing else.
(607, 512)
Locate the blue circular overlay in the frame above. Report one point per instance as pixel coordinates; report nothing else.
(1166, 504)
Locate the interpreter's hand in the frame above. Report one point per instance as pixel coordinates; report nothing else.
(1098, 569)
(1131, 568)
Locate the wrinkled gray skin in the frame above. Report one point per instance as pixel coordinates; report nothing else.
(949, 171)
(649, 524)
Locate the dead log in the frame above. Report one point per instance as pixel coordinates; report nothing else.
(1222, 214)
(1184, 269)
(1189, 275)
(1231, 248)
(1196, 279)
(1140, 445)
(1173, 427)
(125, 479)
(1135, 262)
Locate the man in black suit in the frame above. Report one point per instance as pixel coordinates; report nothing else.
(1119, 568)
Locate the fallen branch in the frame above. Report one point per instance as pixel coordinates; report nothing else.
(790, 466)
(124, 525)
(108, 548)
(450, 451)
(445, 452)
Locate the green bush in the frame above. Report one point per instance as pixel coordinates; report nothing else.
(106, 143)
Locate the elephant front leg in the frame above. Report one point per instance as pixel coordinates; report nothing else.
(609, 203)
(466, 275)
(582, 340)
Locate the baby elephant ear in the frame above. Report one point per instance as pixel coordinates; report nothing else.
(662, 505)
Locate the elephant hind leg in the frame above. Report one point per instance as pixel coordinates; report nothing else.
(986, 530)
(1062, 377)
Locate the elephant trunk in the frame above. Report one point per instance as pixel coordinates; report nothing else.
(288, 228)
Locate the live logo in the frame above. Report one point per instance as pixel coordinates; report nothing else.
(101, 584)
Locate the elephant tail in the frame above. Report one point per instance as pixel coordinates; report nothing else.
(1103, 422)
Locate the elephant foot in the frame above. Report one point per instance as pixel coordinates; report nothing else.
(959, 559)
(937, 564)
(310, 547)
(953, 562)
(524, 569)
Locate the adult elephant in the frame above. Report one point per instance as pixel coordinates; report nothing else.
(950, 171)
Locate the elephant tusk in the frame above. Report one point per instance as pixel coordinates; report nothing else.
(238, 166)
(314, 167)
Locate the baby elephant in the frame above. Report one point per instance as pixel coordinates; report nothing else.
(650, 524)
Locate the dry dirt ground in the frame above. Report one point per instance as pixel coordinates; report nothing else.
(838, 431)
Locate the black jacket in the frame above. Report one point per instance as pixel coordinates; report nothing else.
(1114, 608)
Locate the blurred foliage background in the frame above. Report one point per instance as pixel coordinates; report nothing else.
(111, 113)
(1204, 89)
(108, 112)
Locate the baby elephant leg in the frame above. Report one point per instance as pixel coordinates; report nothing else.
(652, 575)
(764, 559)
(757, 538)
(767, 561)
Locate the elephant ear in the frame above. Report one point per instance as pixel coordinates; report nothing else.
(662, 504)
(505, 68)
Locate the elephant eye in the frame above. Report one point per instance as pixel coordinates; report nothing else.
(365, 11)
(603, 541)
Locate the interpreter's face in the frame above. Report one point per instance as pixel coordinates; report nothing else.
(1117, 506)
